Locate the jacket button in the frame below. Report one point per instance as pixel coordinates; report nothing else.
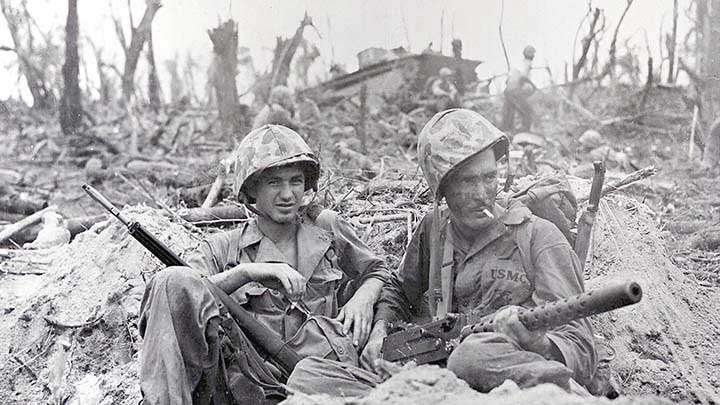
(340, 350)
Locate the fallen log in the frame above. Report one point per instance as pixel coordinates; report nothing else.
(193, 197)
(629, 179)
(20, 202)
(208, 215)
(383, 218)
(214, 216)
(10, 230)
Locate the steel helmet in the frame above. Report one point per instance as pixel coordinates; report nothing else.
(452, 137)
(529, 52)
(266, 147)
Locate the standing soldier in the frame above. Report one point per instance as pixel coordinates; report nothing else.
(283, 266)
(518, 89)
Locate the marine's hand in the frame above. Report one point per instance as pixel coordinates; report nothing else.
(507, 322)
(278, 276)
(358, 314)
(372, 349)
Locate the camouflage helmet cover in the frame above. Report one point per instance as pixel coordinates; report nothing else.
(271, 146)
(452, 137)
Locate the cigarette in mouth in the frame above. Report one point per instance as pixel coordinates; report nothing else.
(488, 213)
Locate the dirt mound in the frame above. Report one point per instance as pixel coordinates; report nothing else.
(76, 334)
(668, 343)
(434, 385)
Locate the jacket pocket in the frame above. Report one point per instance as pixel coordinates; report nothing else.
(321, 294)
(323, 337)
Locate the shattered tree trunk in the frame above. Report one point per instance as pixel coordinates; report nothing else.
(43, 97)
(671, 45)
(223, 71)
(70, 107)
(176, 86)
(106, 87)
(586, 42)
(284, 53)
(153, 82)
(708, 65)
(132, 52)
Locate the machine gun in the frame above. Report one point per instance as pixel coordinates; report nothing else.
(434, 341)
(262, 338)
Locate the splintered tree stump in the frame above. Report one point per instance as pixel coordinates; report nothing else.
(223, 70)
(70, 103)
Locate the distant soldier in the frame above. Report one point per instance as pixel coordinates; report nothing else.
(443, 90)
(279, 110)
(518, 89)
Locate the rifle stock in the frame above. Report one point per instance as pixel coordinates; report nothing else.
(587, 219)
(434, 341)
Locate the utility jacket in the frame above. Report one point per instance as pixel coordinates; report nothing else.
(489, 274)
(333, 261)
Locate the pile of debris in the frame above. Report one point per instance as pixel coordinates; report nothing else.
(74, 333)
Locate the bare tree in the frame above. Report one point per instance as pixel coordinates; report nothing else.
(222, 72)
(138, 36)
(190, 68)
(302, 65)
(70, 103)
(34, 61)
(153, 82)
(586, 42)
(106, 85)
(671, 44)
(177, 90)
(612, 60)
(285, 51)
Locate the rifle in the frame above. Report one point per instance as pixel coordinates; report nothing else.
(434, 341)
(587, 219)
(263, 338)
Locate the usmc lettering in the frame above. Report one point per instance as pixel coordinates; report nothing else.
(504, 274)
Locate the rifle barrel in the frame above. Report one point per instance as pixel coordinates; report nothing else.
(560, 312)
(95, 195)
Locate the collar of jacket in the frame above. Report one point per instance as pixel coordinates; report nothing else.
(312, 244)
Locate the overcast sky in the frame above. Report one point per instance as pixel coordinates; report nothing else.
(348, 27)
